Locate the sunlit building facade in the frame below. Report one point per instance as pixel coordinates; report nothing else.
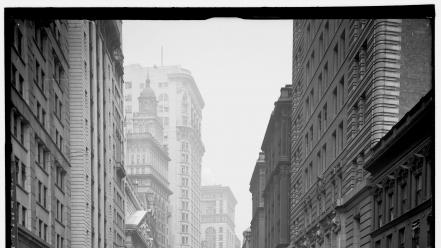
(353, 79)
(217, 218)
(39, 133)
(147, 163)
(179, 108)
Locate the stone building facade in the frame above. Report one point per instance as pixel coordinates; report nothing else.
(276, 147)
(217, 219)
(401, 167)
(257, 185)
(180, 107)
(147, 163)
(39, 132)
(353, 79)
(138, 229)
(96, 135)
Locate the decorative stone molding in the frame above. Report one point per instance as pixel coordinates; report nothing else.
(335, 224)
(378, 190)
(319, 236)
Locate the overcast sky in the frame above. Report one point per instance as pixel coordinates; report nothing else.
(239, 67)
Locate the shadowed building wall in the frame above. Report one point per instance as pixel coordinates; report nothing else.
(401, 168)
(39, 132)
(353, 79)
(257, 185)
(276, 147)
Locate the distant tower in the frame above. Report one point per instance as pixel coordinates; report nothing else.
(147, 163)
(146, 120)
(147, 99)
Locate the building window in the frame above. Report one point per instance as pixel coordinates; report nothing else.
(343, 45)
(58, 71)
(184, 240)
(306, 179)
(184, 228)
(23, 175)
(38, 111)
(307, 107)
(40, 228)
(335, 101)
(334, 143)
(18, 40)
(391, 200)
(340, 137)
(45, 232)
(416, 234)
(389, 241)
(336, 59)
(319, 120)
(15, 125)
(41, 156)
(60, 241)
(429, 232)
(60, 177)
(378, 244)
(43, 117)
(23, 216)
(380, 213)
(163, 103)
(319, 163)
(323, 162)
(401, 238)
(39, 36)
(17, 169)
(419, 188)
(341, 96)
(403, 191)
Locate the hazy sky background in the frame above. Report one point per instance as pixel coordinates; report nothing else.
(239, 67)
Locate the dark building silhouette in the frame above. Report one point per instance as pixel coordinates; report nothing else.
(276, 147)
(401, 167)
(257, 185)
(39, 134)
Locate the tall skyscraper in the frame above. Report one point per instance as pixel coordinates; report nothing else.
(180, 109)
(147, 163)
(218, 207)
(39, 133)
(352, 81)
(96, 135)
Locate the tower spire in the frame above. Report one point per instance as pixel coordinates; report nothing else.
(147, 80)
